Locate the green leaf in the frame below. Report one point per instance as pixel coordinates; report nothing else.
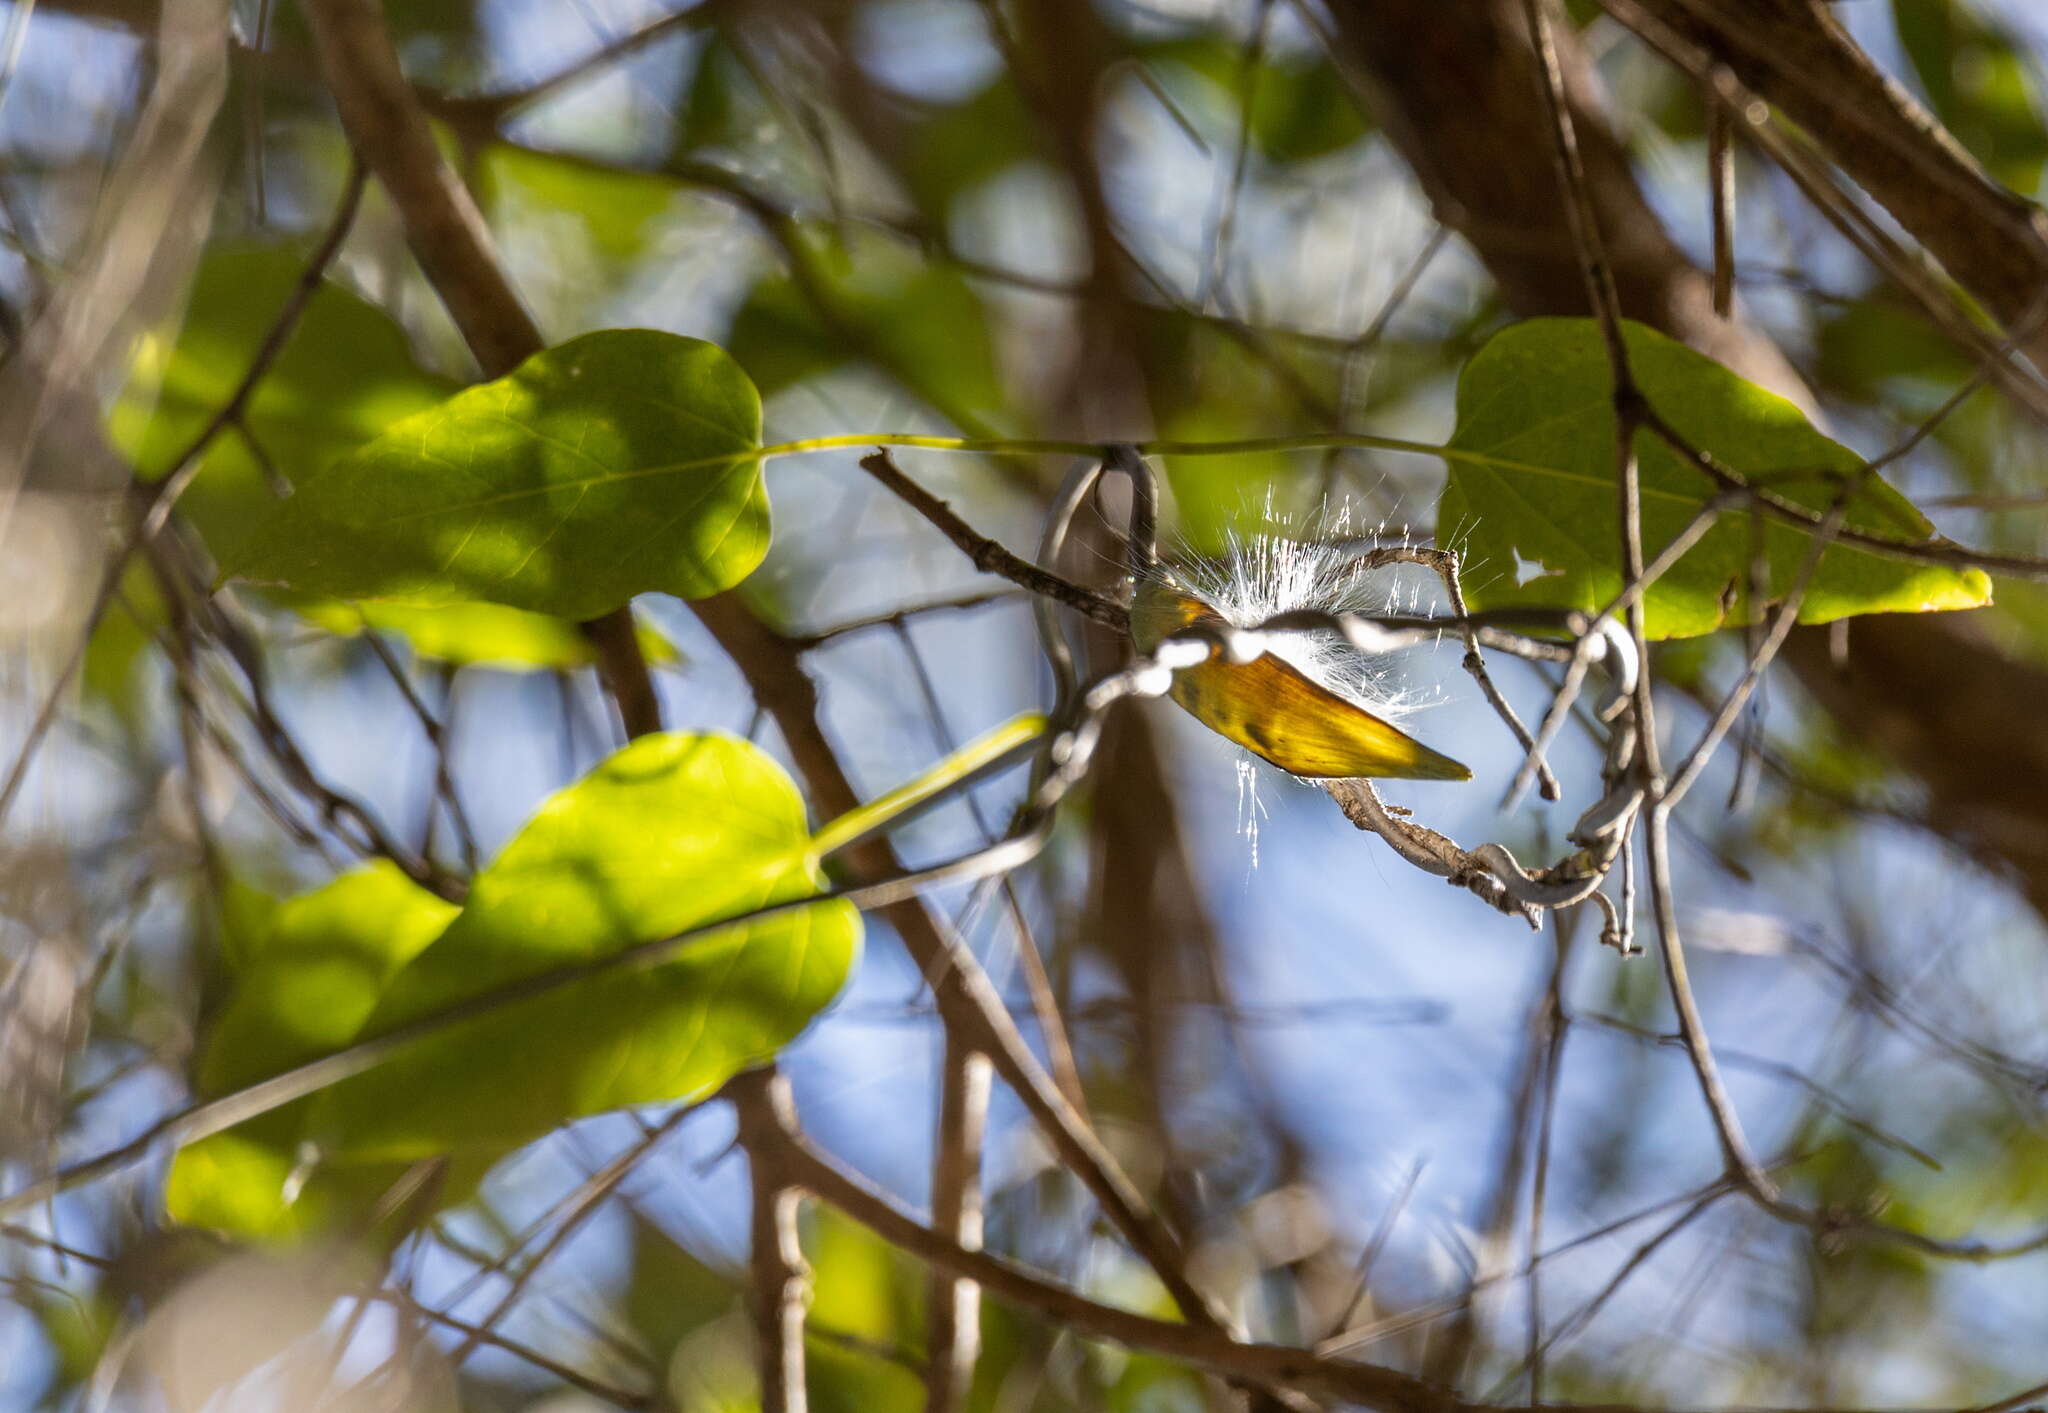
(1539, 502)
(1303, 110)
(346, 373)
(958, 146)
(669, 833)
(869, 1291)
(477, 634)
(670, 1292)
(307, 987)
(990, 751)
(613, 210)
(618, 463)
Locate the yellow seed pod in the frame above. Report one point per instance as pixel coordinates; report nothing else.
(1274, 710)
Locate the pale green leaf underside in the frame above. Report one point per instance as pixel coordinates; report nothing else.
(672, 832)
(473, 634)
(618, 463)
(669, 833)
(303, 991)
(1537, 396)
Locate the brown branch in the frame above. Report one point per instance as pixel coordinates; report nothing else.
(780, 1290)
(966, 998)
(985, 554)
(1266, 1365)
(1795, 54)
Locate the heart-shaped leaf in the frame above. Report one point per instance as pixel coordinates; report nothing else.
(1531, 506)
(345, 374)
(618, 463)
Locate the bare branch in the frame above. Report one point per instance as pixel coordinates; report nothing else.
(953, 1313)
(781, 1287)
(988, 556)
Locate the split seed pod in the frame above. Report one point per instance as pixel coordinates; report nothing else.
(1275, 710)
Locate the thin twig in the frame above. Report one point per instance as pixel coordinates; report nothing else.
(986, 555)
(155, 501)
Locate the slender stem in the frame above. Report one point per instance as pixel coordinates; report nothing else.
(781, 1287)
(953, 1315)
(1935, 551)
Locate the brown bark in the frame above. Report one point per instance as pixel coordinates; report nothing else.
(1456, 85)
(1795, 54)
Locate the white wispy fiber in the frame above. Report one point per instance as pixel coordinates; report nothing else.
(1267, 572)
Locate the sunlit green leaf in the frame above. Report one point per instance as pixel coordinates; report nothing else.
(307, 987)
(667, 834)
(1539, 527)
(671, 832)
(618, 463)
(476, 634)
(303, 990)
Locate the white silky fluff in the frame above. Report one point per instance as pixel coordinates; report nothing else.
(1266, 572)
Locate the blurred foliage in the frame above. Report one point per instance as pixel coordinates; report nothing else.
(1981, 84)
(863, 295)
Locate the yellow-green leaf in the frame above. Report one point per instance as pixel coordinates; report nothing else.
(1534, 514)
(618, 463)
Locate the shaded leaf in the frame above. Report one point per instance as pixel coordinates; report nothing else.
(1980, 84)
(615, 209)
(346, 373)
(1302, 111)
(1536, 399)
(874, 300)
(618, 463)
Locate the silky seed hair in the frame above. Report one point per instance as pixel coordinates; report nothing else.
(1270, 570)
